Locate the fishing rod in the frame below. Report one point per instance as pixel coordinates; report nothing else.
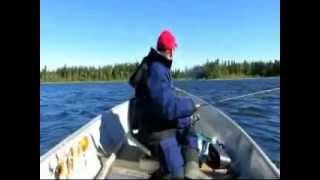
(195, 118)
(238, 97)
(204, 141)
(251, 94)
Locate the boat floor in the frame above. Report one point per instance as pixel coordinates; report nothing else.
(127, 166)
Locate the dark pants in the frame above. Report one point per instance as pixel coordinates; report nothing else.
(169, 146)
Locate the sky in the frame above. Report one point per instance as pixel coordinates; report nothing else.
(105, 32)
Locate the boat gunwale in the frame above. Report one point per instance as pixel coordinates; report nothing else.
(257, 147)
(246, 135)
(69, 138)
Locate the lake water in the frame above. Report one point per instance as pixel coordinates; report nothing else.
(66, 107)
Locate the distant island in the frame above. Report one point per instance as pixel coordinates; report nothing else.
(216, 69)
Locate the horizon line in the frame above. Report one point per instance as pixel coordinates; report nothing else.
(130, 62)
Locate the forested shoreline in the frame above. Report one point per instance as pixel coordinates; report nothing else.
(217, 69)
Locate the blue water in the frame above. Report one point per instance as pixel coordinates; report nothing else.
(66, 107)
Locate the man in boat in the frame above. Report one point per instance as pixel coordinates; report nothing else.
(166, 117)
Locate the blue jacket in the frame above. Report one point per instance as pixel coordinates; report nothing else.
(153, 83)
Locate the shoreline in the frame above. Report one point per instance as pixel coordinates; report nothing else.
(83, 82)
(121, 81)
(240, 78)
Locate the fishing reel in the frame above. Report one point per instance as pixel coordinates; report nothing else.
(211, 150)
(212, 155)
(195, 117)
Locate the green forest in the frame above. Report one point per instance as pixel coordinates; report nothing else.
(216, 69)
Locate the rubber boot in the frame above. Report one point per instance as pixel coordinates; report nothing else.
(192, 170)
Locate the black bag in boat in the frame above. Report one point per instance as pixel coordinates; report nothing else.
(136, 113)
(140, 74)
(137, 105)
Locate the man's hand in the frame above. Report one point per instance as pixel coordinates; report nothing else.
(194, 118)
(197, 106)
(188, 121)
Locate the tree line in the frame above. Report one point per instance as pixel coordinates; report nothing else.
(209, 70)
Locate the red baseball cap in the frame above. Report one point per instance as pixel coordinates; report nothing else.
(166, 41)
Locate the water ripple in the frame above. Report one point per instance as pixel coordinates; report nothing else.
(66, 107)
